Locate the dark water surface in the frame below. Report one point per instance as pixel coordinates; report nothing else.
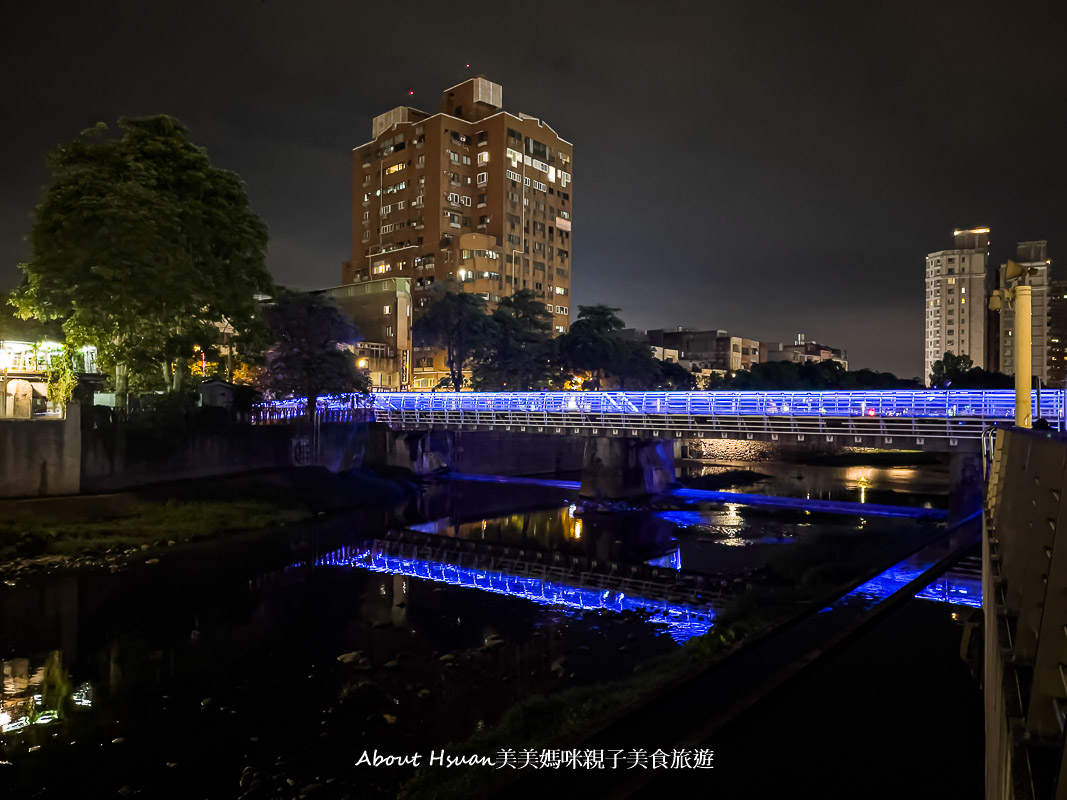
(174, 680)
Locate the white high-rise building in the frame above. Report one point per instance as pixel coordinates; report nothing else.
(1028, 254)
(956, 299)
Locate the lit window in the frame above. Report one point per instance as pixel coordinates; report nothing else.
(387, 309)
(395, 168)
(483, 158)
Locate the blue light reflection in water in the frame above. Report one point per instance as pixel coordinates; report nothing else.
(953, 588)
(683, 621)
(671, 560)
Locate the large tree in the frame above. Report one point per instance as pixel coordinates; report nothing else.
(139, 246)
(950, 369)
(591, 345)
(457, 322)
(309, 357)
(519, 349)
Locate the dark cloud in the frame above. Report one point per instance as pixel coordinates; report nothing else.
(766, 167)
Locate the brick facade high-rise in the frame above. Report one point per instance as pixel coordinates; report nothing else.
(471, 193)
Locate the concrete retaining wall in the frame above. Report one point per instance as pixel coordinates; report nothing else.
(40, 457)
(117, 457)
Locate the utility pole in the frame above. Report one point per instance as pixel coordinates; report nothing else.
(1018, 293)
(1023, 357)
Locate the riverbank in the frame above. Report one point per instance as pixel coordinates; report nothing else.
(111, 530)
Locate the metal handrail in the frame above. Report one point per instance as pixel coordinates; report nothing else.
(938, 414)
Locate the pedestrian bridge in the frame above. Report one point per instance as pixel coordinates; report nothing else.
(907, 420)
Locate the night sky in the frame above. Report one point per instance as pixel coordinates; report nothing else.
(768, 168)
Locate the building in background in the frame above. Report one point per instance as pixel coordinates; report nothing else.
(956, 300)
(24, 368)
(665, 354)
(1033, 255)
(381, 310)
(801, 351)
(1057, 334)
(472, 194)
(713, 350)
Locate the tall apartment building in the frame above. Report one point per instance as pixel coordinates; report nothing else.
(1057, 334)
(471, 193)
(1035, 256)
(956, 299)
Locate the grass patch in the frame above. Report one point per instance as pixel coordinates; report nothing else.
(135, 525)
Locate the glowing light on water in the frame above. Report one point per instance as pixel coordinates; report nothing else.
(683, 621)
(952, 588)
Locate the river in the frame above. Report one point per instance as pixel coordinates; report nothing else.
(280, 658)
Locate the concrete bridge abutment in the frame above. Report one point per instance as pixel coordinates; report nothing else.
(616, 468)
(422, 452)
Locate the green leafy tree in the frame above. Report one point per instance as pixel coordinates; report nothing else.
(518, 352)
(675, 377)
(634, 365)
(139, 245)
(309, 357)
(62, 380)
(809, 376)
(590, 344)
(950, 369)
(458, 323)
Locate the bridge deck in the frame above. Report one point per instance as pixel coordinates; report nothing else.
(889, 419)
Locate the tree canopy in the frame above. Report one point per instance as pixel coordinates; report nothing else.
(140, 246)
(308, 357)
(457, 322)
(518, 351)
(591, 345)
(957, 372)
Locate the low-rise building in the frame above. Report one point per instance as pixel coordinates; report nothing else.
(381, 310)
(24, 370)
(713, 350)
(801, 351)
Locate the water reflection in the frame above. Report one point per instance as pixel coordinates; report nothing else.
(913, 486)
(542, 584)
(38, 694)
(633, 537)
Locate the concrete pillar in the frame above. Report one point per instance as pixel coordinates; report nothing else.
(1023, 356)
(614, 469)
(966, 484)
(422, 452)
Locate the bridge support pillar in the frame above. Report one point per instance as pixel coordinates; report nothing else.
(614, 469)
(422, 452)
(966, 477)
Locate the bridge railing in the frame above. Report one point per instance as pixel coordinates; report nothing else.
(952, 414)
